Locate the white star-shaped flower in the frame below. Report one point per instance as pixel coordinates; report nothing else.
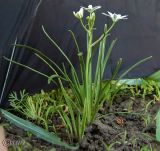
(91, 9)
(115, 17)
(79, 14)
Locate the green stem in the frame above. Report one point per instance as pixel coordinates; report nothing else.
(106, 33)
(89, 77)
(111, 27)
(81, 21)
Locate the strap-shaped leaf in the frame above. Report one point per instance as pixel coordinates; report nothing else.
(155, 76)
(158, 126)
(36, 130)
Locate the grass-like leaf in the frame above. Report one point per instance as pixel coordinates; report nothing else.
(158, 126)
(36, 130)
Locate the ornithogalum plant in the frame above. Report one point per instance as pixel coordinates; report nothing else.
(89, 90)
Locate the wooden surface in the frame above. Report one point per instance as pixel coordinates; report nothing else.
(2, 138)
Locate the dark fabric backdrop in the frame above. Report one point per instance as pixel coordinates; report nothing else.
(138, 37)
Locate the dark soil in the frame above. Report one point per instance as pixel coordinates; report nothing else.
(124, 127)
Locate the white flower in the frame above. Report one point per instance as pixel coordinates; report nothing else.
(91, 9)
(115, 17)
(79, 14)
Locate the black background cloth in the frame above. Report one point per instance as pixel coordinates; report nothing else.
(138, 37)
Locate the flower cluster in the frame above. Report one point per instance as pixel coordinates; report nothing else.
(115, 17)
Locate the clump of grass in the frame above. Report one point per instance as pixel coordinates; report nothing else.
(90, 92)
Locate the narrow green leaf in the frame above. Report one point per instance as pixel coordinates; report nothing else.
(36, 51)
(67, 122)
(80, 56)
(53, 42)
(75, 41)
(98, 63)
(39, 132)
(108, 55)
(155, 76)
(22, 65)
(134, 66)
(158, 126)
(70, 105)
(52, 77)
